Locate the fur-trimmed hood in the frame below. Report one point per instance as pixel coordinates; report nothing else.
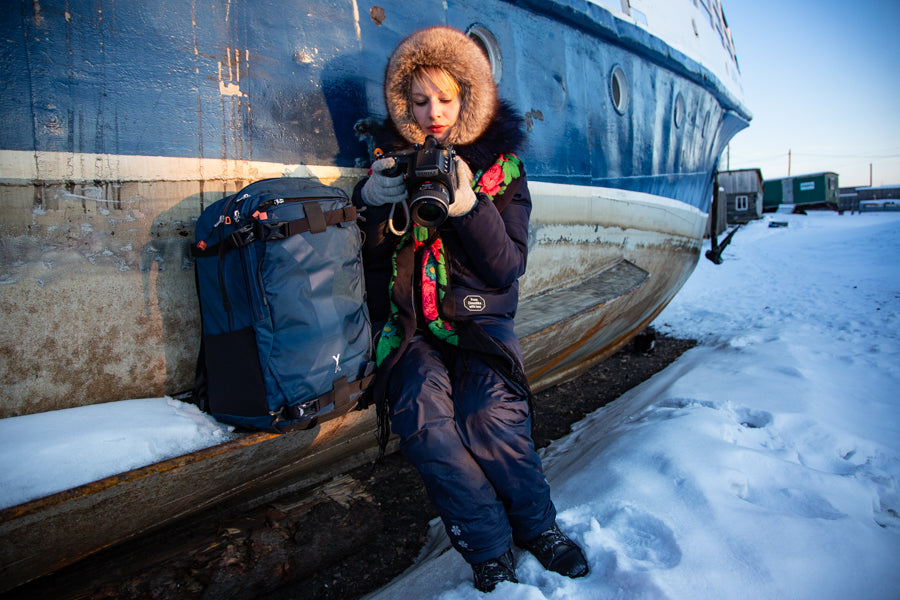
(455, 52)
(504, 134)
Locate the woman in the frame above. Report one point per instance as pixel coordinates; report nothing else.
(450, 374)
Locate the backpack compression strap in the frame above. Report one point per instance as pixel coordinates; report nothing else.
(315, 221)
(340, 395)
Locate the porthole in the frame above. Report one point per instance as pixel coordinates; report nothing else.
(679, 110)
(482, 36)
(618, 89)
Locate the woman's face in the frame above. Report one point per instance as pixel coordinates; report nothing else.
(434, 109)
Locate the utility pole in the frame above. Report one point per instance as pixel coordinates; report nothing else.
(870, 174)
(789, 162)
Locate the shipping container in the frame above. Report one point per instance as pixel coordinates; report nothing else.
(816, 190)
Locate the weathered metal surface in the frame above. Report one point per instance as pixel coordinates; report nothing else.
(97, 288)
(132, 117)
(542, 313)
(654, 236)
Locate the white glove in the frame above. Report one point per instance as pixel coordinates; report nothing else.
(379, 189)
(464, 198)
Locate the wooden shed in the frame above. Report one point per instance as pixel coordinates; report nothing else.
(743, 194)
(717, 222)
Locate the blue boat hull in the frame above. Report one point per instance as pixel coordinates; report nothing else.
(271, 82)
(128, 118)
(132, 117)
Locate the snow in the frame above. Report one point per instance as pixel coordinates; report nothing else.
(45, 453)
(764, 463)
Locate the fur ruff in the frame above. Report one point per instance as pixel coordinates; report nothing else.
(452, 50)
(504, 134)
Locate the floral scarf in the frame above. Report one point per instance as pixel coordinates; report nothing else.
(433, 264)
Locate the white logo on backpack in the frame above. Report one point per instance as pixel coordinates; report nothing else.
(337, 363)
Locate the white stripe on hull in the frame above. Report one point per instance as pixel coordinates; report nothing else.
(585, 205)
(24, 167)
(122, 262)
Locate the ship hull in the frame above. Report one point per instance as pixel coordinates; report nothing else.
(134, 119)
(568, 326)
(136, 116)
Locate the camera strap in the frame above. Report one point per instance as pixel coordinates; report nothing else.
(406, 222)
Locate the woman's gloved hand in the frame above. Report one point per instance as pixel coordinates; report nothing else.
(380, 189)
(464, 198)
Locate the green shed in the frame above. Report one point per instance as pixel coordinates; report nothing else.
(816, 190)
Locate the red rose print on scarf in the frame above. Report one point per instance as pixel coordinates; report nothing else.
(497, 178)
(491, 180)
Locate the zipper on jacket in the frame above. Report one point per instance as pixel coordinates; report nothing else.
(418, 316)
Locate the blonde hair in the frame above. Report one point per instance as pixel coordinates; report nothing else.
(439, 77)
(465, 62)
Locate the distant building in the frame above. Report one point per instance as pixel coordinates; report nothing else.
(816, 190)
(849, 200)
(717, 222)
(737, 199)
(868, 199)
(743, 194)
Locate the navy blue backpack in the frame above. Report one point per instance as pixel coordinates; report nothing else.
(286, 338)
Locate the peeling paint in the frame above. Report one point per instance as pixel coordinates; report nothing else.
(38, 18)
(356, 28)
(230, 75)
(376, 13)
(306, 56)
(531, 116)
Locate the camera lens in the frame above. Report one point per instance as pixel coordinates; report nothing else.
(429, 214)
(429, 204)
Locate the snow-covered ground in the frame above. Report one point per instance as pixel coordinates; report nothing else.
(764, 463)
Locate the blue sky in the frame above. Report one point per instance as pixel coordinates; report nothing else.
(822, 79)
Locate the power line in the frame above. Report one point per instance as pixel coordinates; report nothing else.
(735, 156)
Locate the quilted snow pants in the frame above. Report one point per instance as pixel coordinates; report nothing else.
(469, 435)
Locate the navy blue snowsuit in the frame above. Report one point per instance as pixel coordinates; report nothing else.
(463, 413)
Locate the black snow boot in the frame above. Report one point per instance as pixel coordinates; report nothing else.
(491, 572)
(558, 553)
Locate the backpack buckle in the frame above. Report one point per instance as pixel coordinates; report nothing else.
(274, 231)
(295, 416)
(243, 236)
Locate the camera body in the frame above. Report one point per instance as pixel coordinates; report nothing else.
(430, 175)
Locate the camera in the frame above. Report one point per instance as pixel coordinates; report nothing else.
(430, 178)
